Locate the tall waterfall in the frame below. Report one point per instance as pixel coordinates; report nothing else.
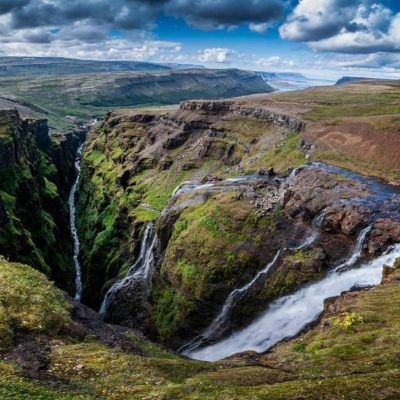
(226, 310)
(74, 233)
(286, 316)
(142, 269)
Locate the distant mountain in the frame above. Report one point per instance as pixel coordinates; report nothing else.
(285, 81)
(184, 66)
(81, 96)
(352, 79)
(18, 66)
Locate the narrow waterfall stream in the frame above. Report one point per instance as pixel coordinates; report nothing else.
(286, 316)
(141, 270)
(74, 232)
(226, 311)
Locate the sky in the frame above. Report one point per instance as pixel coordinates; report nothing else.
(321, 38)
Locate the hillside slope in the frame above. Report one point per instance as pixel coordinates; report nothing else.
(223, 226)
(30, 66)
(54, 348)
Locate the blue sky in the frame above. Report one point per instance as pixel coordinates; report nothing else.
(323, 38)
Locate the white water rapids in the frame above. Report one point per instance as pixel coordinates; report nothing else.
(74, 233)
(288, 315)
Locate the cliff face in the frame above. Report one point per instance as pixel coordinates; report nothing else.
(133, 163)
(214, 233)
(232, 109)
(37, 172)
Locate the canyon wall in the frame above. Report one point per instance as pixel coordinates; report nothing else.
(37, 171)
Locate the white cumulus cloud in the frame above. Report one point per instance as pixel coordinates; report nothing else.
(215, 55)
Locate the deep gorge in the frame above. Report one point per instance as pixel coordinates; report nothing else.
(38, 171)
(213, 227)
(210, 230)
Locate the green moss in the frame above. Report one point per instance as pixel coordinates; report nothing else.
(166, 312)
(214, 248)
(179, 227)
(36, 231)
(324, 363)
(51, 189)
(29, 302)
(189, 272)
(212, 226)
(302, 256)
(287, 154)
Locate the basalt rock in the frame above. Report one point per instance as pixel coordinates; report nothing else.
(385, 232)
(311, 191)
(347, 219)
(231, 108)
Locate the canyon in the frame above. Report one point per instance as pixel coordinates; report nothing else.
(263, 228)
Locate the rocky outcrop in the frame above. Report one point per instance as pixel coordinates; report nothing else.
(386, 232)
(232, 108)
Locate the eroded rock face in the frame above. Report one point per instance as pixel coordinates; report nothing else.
(216, 234)
(231, 108)
(384, 233)
(348, 219)
(313, 190)
(131, 307)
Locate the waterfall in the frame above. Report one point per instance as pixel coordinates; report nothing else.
(315, 233)
(142, 269)
(356, 252)
(286, 316)
(229, 305)
(74, 232)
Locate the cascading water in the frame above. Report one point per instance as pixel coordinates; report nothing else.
(142, 269)
(356, 252)
(314, 234)
(286, 316)
(226, 311)
(74, 233)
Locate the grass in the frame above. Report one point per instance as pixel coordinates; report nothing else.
(286, 155)
(331, 361)
(214, 248)
(29, 302)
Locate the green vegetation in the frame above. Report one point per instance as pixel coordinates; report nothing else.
(28, 302)
(287, 154)
(344, 123)
(329, 362)
(32, 195)
(68, 100)
(214, 248)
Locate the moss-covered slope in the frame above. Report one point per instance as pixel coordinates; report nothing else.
(51, 352)
(36, 174)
